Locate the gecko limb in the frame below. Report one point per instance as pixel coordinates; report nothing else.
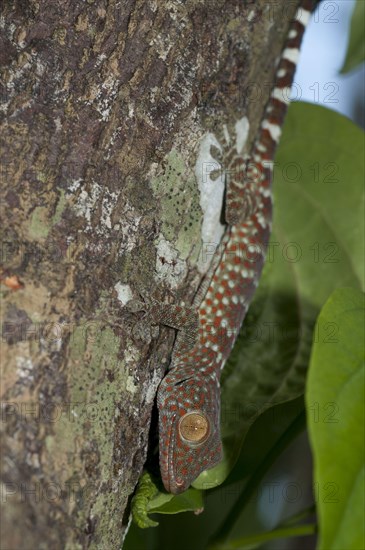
(181, 317)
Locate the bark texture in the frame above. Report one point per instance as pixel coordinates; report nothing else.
(104, 108)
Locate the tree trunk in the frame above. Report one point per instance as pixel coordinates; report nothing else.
(106, 108)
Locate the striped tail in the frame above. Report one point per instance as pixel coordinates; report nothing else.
(243, 184)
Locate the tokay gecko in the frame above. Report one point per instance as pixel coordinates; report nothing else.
(188, 397)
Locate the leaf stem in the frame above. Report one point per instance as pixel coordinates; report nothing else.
(303, 514)
(282, 532)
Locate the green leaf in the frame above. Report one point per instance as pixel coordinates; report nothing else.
(252, 541)
(356, 47)
(189, 501)
(335, 404)
(316, 246)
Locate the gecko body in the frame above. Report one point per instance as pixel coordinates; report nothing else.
(188, 398)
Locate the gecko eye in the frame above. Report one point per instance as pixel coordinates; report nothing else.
(194, 427)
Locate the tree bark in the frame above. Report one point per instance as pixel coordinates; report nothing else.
(105, 106)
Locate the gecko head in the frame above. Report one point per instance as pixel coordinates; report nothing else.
(189, 431)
